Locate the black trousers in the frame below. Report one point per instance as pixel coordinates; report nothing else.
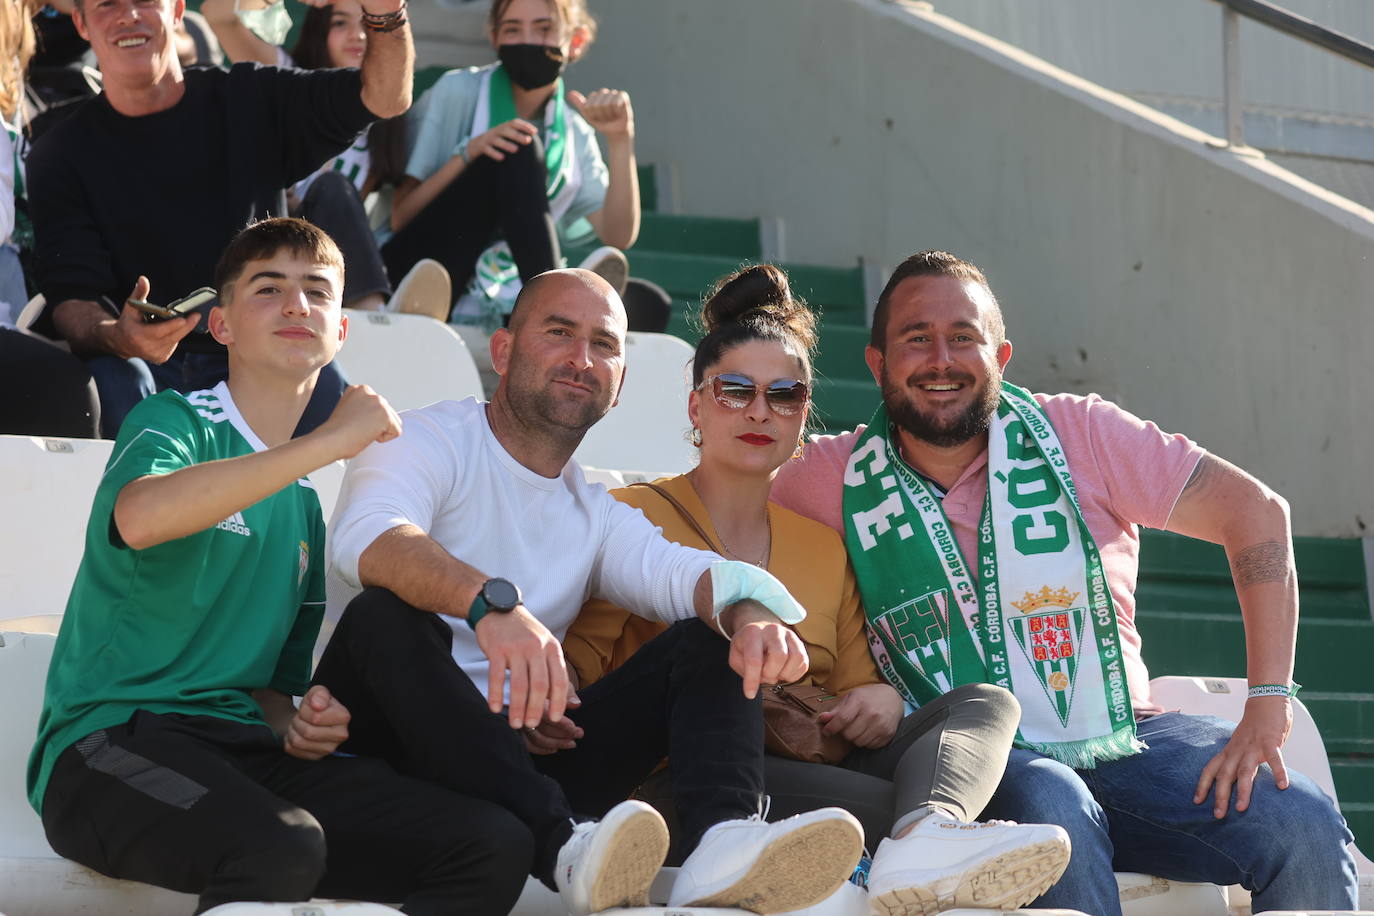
(212, 807)
(490, 200)
(48, 392)
(391, 665)
(332, 203)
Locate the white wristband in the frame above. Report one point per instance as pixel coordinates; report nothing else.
(1273, 690)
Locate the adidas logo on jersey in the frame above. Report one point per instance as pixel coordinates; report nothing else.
(236, 524)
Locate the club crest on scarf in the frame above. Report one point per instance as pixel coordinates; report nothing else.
(1051, 642)
(928, 615)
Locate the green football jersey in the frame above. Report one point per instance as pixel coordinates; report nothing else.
(192, 625)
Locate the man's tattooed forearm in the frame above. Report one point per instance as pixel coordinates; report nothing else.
(1270, 561)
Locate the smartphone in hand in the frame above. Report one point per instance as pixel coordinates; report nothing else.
(178, 309)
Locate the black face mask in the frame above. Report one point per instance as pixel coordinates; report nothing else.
(531, 66)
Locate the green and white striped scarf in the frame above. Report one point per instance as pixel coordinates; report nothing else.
(1039, 621)
(22, 233)
(496, 282)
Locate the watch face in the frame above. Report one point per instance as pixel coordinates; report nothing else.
(501, 594)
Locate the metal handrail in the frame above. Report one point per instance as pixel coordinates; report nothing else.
(1282, 20)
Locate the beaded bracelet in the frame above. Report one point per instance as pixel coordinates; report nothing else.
(385, 22)
(1274, 690)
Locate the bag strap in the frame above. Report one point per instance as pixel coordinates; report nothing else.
(681, 510)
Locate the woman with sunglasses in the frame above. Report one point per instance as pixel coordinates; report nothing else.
(920, 778)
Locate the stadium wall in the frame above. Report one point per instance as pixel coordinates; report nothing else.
(1173, 48)
(1211, 291)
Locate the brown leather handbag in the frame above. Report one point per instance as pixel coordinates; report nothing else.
(790, 726)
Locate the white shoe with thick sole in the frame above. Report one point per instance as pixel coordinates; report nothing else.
(943, 864)
(611, 265)
(611, 862)
(771, 868)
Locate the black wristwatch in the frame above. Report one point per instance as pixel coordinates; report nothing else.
(498, 596)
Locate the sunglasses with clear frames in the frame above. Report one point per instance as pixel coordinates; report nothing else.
(786, 397)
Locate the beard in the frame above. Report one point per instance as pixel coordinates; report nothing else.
(974, 420)
(539, 402)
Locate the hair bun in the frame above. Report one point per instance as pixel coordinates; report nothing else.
(761, 287)
(754, 303)
(759, 295)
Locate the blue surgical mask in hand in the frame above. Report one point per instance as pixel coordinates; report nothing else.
(733, 581)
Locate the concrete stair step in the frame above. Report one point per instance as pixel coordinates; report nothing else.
(1332, 655)
(1347, 723)
(842, 349)
(704, 235)
(1182, 574)
(1354, 778)
(687, 276)
(842, 404)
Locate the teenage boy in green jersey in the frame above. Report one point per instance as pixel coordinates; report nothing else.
(169, 749)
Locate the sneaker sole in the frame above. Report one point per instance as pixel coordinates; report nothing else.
(631, 862)
(1007, 882)
(613, 267)
(426, 293)
(797, 871)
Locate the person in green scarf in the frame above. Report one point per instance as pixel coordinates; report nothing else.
(504, 171)
(995, 537)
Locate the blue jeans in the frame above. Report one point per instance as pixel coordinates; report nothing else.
(122, 383)
(13, 295)
(1137, 814)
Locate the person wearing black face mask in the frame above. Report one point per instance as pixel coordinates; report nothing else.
(504, 167)
(531, 66)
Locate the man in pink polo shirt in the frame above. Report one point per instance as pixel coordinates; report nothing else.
(1036, 592)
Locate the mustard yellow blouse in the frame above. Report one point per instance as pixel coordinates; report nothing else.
(808, 557)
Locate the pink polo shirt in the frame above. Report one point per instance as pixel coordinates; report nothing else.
(1128, 472)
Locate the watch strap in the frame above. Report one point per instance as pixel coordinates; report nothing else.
(477, 610)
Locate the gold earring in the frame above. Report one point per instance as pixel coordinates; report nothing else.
(800, 449)
(696, 436)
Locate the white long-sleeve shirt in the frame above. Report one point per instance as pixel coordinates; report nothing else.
(561, 540)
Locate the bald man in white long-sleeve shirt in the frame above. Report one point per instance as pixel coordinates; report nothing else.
(476, 539)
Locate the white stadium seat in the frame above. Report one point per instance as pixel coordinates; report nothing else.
(49, 485)
(23, 671)
(608, 479)
(34, 880)
(411, 360)
(1304, 752)
(646, 430)
(29, 314)
(613, 479)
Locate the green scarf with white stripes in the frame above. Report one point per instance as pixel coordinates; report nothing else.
(1039, 620)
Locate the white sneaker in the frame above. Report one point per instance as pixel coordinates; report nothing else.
(771, 868)
(425, 290)
(944, 864)
(611, 862)
(611, 265)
